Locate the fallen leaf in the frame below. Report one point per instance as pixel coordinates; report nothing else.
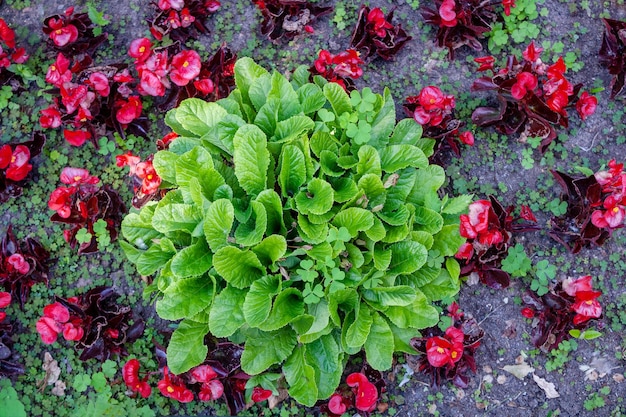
(618, 378)
(52, 369)
(511, 329)
(59, 389)
(520, 370)
(274, 400)
(547, 387)
(501, 379)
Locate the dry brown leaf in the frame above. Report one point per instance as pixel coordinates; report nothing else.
(618, 378)
(274, 400)
(59, 389)
(519, 371)
(52, 369)
(547, 387)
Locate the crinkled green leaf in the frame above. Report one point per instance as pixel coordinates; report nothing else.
(318, 198)
(400, 295)
(152, 260)
(443, 286)
(428, 181)
(358, 330)
(287, 305)
(311, 98)
(369, 162)
(379, 344)
(354, 219)
(246, 72)
(251, 158)
(185, 298)
(176, 217)
(301, 377)
(345, 189)
(407, 257)
(406, 132)
(323, 355)
(238, 267)
(420, 314)
(193, 260)
(267, 349)
(310, 232)
(186, 348)
(218, 221)
(292, 170)
(338, 98)
(137, 227)
(193, 164)
(396, 157)
(448, 240)
(384, 122)
(259, 90)
(291, 128)
(458, 204)
(267, 116)
(321, 314)
(428, 220)
(271, 249)
(323, 141)
(258, 303)
(226, 315)
(328, 164)
(194, 117)
(164, 163)
(251, 232)
(345, 300)
(274, 209)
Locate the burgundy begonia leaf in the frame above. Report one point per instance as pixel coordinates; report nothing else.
(613, 53)
(288, 18)
(8, 367)
(367, 40)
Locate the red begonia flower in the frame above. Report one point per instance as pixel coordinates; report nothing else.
(100, 83)
(151, 84)
(171, 390)
(558, 101)
(171, 4)
(19, 167)
(205, 86)
(6, 153)
(259, 394)
(527, 312)
(366, 393)
(203, 373)
(48, 329)
(347, 64)
(571, 286)
(140, 49)
(490, 237)
(376, 17)
(173, 20)
(447, 13)
(586, 306)
(212, 5)
(186, 19)
(72, 331)
(431, 98)
(123, 76)
(466, 251)
(130, 373)
(50, 118)
(77, 176)
(186, 66)
(211, 390)
(336, 404)
(507, 6)
(526, 81)
(486, 63)
(478, 213)
(16, 262)
(454, 335)
(58, 73)
(439, 351)
(127, 159)
(129, 111)
(60, 201)
(5, 299)
(612, 217)
(151, 180)
(76, 137)
(467, 138)
(532, 53)
(3, 316)
(62, 34)
(586, 105)
(527, 214)
(7, 34)
(19, 56)
(57, 311)
(557, 69)
(165, 141)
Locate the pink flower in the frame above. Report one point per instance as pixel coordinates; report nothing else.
(431, 98)
(447, 13)
(586, 105)
(151, 84)
(62, 34)
(171, 4)
(186, 19)
(612, 217)
(72, 331)
(76, 176)
(16, 262)
(127, 159)
(185, 67)
(211, 390)
(58, 73)
(174, 389)
(557, 69)
(18, 167)
(50, 118)
(51, 324)
(100, 83)
(129, 110)
(76, 137)
(205, 86)
(74, 96)
(203, 373)
(151, 180)
(173, 20)
(571, 286)
(466, 251)
(19, 56)
(586, 306)
(366, 394)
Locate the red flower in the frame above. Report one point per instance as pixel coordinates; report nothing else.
(205, 86)
(100, 83)
(7, 34)
(531, 53)
(203, 373)
(527, 214)
(466, 251)
(129, 110)
(211, 390)
(366, 392)
(15, 162)
(558, 101)
(612, 217)
(486, 63)
(447, 13)
(151, 180)
(62, 34)
(432, 98)
(572, 287)
(442, 351)
(526, 81)
(76, 137)
(507, 6)
(130, 373)
(171, 4)
(557, 69)
(151, 84)
(186, 19)
(586, 105)
(376, 18)
(50, 118)
(60, 201)
(19, 56)
(172, 390)
(16, 262)
(51, 324)
(165, 141)
(347, 64)
(185, 67)
(123, 76)
(173, 20)
(127, 159)
(77, 176)
(336, 404)
(527, 312)
(586, 306)
(5, 299)
(72, 331)
(467, 138)
(259, 394)
(212, 5)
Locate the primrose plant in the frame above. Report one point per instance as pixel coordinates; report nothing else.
(300, 221)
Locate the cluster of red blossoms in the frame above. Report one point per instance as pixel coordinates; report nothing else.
(14, 160)
(342, 68)
(613, 182)
(60, 29)
(17, 55)
(365, 396)
(5, 301)
(445, 350)
(449, 13)
(57, 319)
(79, 182)
(181, 14)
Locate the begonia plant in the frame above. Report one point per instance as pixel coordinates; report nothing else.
(15, 165)
(434, 111)
(286, 19)
(613, 53)
(488, 228)
(596, 206)
(361, 391)
(182, 19)
(300, 220)
(570, 305)
(22, 264)
(9, 53)
(72, 34)
(449, 355)
(81, 204)
(98, 324)
(533, 97)
(342, 68)
(375, 35)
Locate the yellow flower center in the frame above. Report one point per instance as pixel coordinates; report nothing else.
(13, 159)
(170, 389)
(454, 355)
(615, 210)
(589, 302)
(432, 101)
(185, 64)
(142, 49)
(77, 177)
(149, 177)
(53, 68)
(58, 31)
(440, 350)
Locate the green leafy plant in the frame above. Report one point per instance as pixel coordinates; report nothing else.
(517, 263)
(517, 26)
(284, 230)
(544, 273)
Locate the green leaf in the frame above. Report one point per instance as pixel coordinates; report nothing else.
(164, 163)
(193, 260)
(400, 295)
(274, 209)
(458, 204)
(321, 314)
(218, 221)
(448, 240)
(301, 377)
(137, 227)
(379, 344)
(194, 117)
(310, 232)
(444, 286)
(237, 267)
(246, 73)
(318, 199)
(251, 232)
(354, 219)
(329, 165)
(357, 331)
(406, 132)
(271, 249)
(251, 158)
(176, 217)
(345, 189)
(226, 315)
(323, 355)
(258, 302)
(428, 181)
(402, 339)
(420, 314)
(407, 257)
(428, 220)
(338, 98)
(197, 163)
(292, 170)
(267, 349)
(287, 306)
(152, 260)
(186, 348)
(292, 128)
(185, 298)
(311, 98)
(385, 120)
(396, 157)
(369, 162)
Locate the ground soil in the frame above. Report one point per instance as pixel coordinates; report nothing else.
(492, 391)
